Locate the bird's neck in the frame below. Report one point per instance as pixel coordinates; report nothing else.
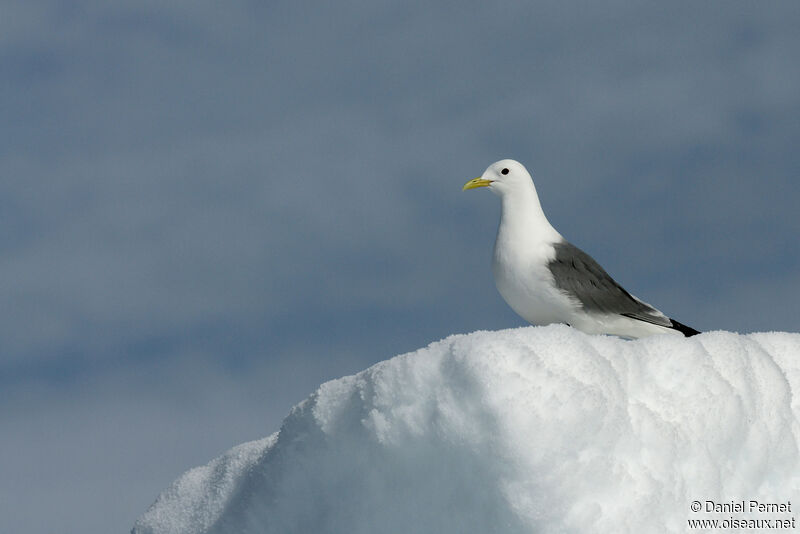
(523, 221)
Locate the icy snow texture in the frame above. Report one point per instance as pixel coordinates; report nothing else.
(526, 430)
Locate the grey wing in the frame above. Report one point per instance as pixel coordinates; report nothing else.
(577, 274)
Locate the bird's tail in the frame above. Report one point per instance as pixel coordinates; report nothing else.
(683, 329)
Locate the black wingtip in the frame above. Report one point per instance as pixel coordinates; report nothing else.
(687, 331)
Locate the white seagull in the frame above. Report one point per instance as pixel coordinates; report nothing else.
(546, 279)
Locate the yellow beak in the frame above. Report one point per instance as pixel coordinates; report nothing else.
(476, 182)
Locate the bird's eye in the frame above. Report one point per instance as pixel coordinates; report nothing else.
(504, 171)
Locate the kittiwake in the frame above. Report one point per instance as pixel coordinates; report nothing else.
(546, 279)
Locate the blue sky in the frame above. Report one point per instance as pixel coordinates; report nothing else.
(206, 210)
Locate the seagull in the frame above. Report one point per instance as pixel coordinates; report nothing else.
(546, 279)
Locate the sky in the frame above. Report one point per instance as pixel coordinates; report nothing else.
(206, 209)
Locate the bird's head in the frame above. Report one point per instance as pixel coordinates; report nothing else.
(502, 177)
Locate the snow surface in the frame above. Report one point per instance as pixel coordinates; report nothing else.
(525, 430)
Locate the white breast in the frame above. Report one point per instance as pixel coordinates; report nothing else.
(524, 280)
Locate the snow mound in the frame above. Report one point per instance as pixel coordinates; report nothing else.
(525, 430)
